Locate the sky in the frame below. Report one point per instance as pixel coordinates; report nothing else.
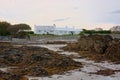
(88, 14)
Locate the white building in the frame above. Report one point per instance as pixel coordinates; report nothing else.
(55, 30)
(44, 29)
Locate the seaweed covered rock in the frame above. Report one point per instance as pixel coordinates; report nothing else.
(11, 56)
(8, 76)
(36, 61)
(4, 45)
(35, 70)
(113, 50)
(91, 43)
(97, 46)
(96, 43)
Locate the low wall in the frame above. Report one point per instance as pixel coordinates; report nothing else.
(5, 38)
(59, 38)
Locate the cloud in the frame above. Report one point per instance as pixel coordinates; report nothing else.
(76, 8)
(116, 12)
(61, 19)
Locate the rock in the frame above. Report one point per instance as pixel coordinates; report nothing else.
(99, 45)
(12, 56)
(36, 61)
(8, 76)
(40, 57)
(94, 43)
(113, 50)
(56, 42)
(4, 45)
(35, 70)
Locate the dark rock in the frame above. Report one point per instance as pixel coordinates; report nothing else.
(113, 50)
(36, 61)
(102, 47)
(12, 55)
(8, 76)
(94, 43)
(40, 57)
(35, 70)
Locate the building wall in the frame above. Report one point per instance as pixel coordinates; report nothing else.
(44, 29)
(55, 30)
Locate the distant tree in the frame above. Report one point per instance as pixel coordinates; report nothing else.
(17, 28)
(21, 27)
(24, 34)
(84, 30)
(30, 32)
(90, 32)
(3, 28)
(12, 29)
(71, 32)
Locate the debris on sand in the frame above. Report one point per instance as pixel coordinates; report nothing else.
(56, 42)
(106, 72)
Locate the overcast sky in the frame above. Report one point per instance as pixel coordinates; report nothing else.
(87, 14)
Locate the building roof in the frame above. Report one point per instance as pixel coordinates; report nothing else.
(57, 28)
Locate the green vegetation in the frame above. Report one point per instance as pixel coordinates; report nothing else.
(24, 34)
(17, 30)
(116, 32)
(3, 28)
(95, 32)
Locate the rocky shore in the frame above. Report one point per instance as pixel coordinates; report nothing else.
(9, 76)
(32, 61)
(97, 47)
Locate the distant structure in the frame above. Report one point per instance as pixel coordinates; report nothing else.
(55, 30)
(115, 29)
(44, 29)
(98, 29)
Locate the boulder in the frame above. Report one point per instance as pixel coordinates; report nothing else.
(113, 50)
(97, 46)
(8, 76)
(94, 43)
(35, 61)
(35, 70)
(12, 56)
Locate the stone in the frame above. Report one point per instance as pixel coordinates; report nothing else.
(35, 61)
(96, 43)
